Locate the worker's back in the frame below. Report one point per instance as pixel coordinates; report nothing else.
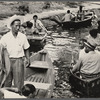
(90, 63)
(67, 17)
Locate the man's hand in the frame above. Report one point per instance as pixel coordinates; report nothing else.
(27, 63)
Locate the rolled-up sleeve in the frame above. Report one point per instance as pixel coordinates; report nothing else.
(26, 43)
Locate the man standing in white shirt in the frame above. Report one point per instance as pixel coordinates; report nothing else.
(17, 47)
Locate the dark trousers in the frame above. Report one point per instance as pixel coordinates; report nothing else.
(16, 73)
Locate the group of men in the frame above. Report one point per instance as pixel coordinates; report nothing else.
(17, 46)
(88, 64)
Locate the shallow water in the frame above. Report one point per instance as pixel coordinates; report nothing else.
(60, 50)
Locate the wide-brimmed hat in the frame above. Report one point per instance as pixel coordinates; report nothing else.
(14, 17)
(91, 44)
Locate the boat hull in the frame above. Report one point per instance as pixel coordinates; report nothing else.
(85, 87)
(37, 42)
(41, 72)
(77, 24)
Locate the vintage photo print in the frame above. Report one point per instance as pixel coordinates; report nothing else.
(49, 49)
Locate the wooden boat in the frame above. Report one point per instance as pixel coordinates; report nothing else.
(77, 24)
(40, 73)
(38, 41)
(73, 23)
(85, 87)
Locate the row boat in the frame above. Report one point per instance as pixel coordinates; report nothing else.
(37, 41)
(75, 24)
(40, 73)
(85, 87)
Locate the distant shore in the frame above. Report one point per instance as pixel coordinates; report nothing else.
(36, 7)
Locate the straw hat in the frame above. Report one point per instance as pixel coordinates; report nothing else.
(14, 17)
(91, 44)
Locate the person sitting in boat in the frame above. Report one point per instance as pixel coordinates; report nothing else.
(27, 91)
(37, 25)
(88, 65)
(68, 16)
(95, 36)
(28, 28)
(82, 48)
(80, 14)
(81, 52)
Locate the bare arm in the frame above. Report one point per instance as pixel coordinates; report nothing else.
(27, 55)
(77, 66)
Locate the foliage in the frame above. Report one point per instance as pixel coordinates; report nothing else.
(23, 8)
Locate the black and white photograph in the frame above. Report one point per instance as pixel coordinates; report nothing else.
(49, 49)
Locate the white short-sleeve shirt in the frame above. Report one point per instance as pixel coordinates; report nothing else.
(38, 24)
(15, 45)
(90, 63)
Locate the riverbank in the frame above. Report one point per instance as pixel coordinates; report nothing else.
(39, 7)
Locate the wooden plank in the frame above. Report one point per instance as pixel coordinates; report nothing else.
(39, 64)
(35, 37)
(44, 86)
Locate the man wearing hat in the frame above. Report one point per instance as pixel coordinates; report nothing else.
(95, 36)
(17, 47)
(89, 64)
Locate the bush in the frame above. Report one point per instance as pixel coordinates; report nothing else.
(23, 9)
(46, 5)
